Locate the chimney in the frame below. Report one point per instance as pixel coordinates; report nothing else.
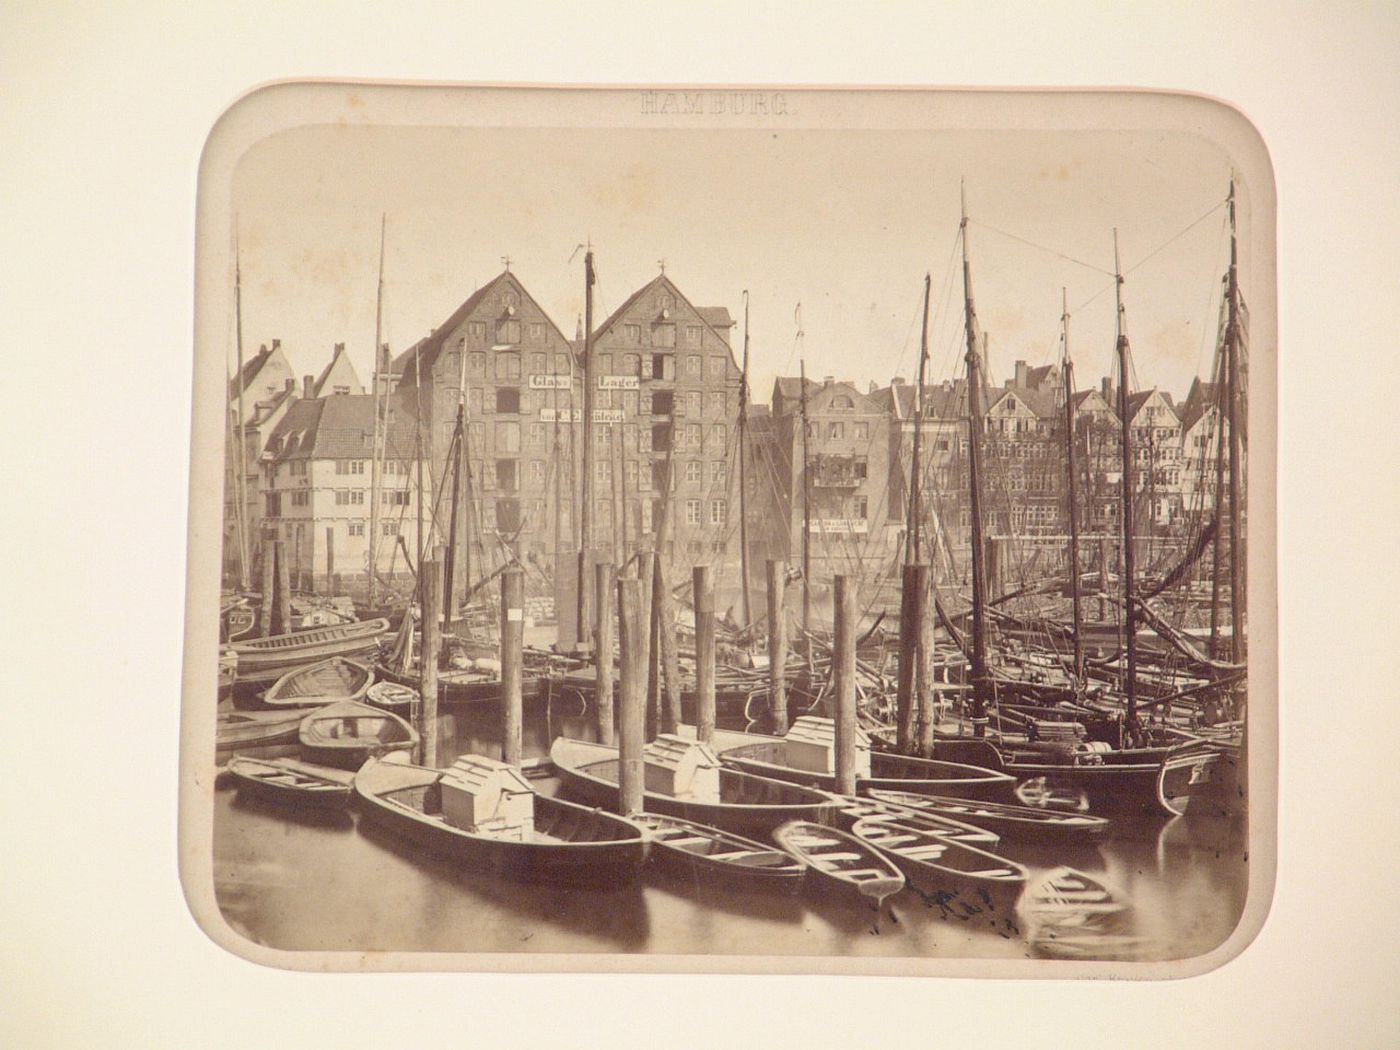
(308, 386)
(339, 349)
(290, 384)
(1106, 388)
(827, 381)
(897, 381)
(276, 345)
(1022, 377)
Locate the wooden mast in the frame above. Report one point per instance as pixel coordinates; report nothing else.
(1232, 367)
(806, 518)
(585, 531)
(1126, 490)
(1070, 475)
(240, 478)
(980, 683)
(374, 480)
(912, 527)
(743, 475)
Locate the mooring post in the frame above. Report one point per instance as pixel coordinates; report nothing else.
(924, 677)
(632, 671)
(512, 663)
(910, 631)
(844, 672)
(603, 574)
(704, 654)
(670, 665)
(777, 647)
(430, 578)
(330, 560)
(269, 584)
(651, 648)
(282, 611)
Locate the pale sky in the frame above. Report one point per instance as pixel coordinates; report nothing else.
(846, 223)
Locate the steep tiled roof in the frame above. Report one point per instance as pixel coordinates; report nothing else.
(251, 368)
(1136, 401)
(339, 427)
(716, 317)
(941, 401)
(707, 314)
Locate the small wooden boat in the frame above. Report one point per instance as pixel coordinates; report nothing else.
(569, 844)
(238, 622)
(749, 805)
(328, 682)
(246, 730)
(228, 671)
(960, 878)
(267, 659)
(839, 863)
(390, 696)
(1111, 779)
(1070, 915)
(693, 851)
(287, 781)
(1024, 823)
(763, 756)
(853, 809)
(348, 733)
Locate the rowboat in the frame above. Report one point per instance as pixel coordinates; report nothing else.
(748, 805)
(328, 682)
(569, 844)
(763, 756)
(961, 879)
(348, 733)
(693, 851)
(839, 863)
(1024, 823)
(245, 730)
(267, 659)
(1069, 915)
(390, 696)
(287, 781)
(238, 621)
(853, 809)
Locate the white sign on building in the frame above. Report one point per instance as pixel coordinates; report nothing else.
(549, 382)
(561, 415)
(618, 383)
(840, 526)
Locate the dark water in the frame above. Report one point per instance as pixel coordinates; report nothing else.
(329, 883)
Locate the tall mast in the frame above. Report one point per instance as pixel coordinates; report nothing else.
(911, 531)
(743, 475)
(585, 541)
(1126, 487)
(240, 478)
(980, 683)
(374, 448)
(1070, 475)
(458, 542)
(1232, 365)
(806, 520)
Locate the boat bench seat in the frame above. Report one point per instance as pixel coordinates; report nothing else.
(866, 874)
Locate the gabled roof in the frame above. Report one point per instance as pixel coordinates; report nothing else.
(1036, 377)
(319, 388)
(941, 401)
(426, 350)
(1040, 403)
(250, 371)
(790, 388)
(1136, 401)
(707, 314)
(340, 427)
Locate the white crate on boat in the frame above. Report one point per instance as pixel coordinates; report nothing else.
(483, 794)
(810, 745)
(681, 768)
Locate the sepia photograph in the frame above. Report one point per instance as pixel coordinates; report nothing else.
(732, 528)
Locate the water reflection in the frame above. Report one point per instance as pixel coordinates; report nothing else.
(330, 882)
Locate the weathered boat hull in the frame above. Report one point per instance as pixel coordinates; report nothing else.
(291, 783)
(267, 659)
(348, 734)
(572, 845)
(962, 879)
(691, 852)
(840, 865)
(316, 685)
(750, 806)
(1021, 823)
(247, 730)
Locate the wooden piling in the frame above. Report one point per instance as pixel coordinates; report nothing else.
(512, 664)
(430, 579)
(603, 649)
(924, 677)
(282, 609)
(844, 672)
(704, 654)
(651, 647)
(669, 665)
(632, 669)
(777, 647)
(269, 578)
(915, 579)
(330, 560)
